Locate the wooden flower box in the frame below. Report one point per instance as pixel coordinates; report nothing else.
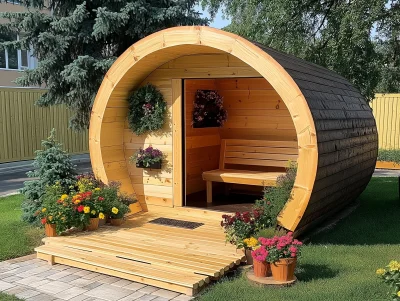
(156, 165)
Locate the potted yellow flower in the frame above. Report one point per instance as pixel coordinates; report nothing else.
(249, 245)
(118, 212)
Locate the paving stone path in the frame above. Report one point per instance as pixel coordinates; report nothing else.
(32, 279)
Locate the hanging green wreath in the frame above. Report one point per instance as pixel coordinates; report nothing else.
(147, 109)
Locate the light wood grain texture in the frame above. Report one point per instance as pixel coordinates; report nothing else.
(253, 153)
(320, 111)
(387, 165)
(176, 259)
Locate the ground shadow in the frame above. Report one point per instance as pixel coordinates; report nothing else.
(308, 272)
(375, 221)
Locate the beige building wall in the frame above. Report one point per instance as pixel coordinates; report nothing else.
(7, 77)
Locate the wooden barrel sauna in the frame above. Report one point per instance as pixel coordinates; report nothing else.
(286, 98)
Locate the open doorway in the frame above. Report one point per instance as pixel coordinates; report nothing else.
(256, 115)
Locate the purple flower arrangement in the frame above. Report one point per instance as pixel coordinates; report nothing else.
(208, 109)
(148, 158)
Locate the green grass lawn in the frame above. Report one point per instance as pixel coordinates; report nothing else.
(5, 297)
(16, 237)
(339, 264)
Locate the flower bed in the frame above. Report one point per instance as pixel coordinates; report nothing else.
(391, 276)
(81, 205)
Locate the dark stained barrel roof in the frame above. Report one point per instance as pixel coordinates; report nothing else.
(346, 135)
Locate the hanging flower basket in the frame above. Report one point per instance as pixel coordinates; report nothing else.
(147, 110)
(148, 158)
(208, 109)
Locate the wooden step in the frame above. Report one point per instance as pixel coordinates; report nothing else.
(185, 264)
(163, 277)
(172, 258)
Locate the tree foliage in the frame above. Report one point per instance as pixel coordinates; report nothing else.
(77, 41)
(359, 39)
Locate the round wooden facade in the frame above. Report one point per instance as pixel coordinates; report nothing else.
(285, 98)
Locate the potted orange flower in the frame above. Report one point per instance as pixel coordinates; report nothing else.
(283, 252)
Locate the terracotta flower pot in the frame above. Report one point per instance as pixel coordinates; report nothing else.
(103, 221)
(283, 270)
(117, 221)
(94, 224)
(50, 230)
(261, 268)
(249, 258)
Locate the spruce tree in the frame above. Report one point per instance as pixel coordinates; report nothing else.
(77, 41)
(52, 165)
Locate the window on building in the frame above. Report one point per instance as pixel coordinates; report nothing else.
(15, 59)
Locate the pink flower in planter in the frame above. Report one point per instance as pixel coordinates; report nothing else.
(260, 254)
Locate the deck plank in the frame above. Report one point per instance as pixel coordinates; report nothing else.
(177, 259)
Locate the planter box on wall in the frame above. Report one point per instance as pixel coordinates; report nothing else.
(156, 165)
(387, 165)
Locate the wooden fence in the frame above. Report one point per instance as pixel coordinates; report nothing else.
(23, 125)
(386, 109)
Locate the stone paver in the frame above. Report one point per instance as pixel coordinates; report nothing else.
(28, 293)
(183, 298)
(148, 289)
(109, 292)
(135, 286)
(41, 297)
(72, 293)
(54, 287)
(32, 279)
(146, 298)
(134, 296)
(122, 283)
(165, 294)
(5, 285)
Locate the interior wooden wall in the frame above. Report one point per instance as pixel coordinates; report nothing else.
(202, 144)
(255, 111)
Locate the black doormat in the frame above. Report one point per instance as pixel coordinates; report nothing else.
(175, 223)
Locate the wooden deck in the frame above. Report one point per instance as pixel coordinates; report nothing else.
(176, 259)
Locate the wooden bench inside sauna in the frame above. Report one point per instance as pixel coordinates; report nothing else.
(247, 161)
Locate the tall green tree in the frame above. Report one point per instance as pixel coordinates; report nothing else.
(359, 39)
(77, 41)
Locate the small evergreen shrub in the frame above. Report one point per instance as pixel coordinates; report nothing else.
(261, 221)
(389, 155)
(270, 232)
(52, 165)
(276, 197)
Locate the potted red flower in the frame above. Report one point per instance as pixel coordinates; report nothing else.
(283, 252)
(48, 220)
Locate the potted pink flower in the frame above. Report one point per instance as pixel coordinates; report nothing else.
(283, 252)
(260, 264)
